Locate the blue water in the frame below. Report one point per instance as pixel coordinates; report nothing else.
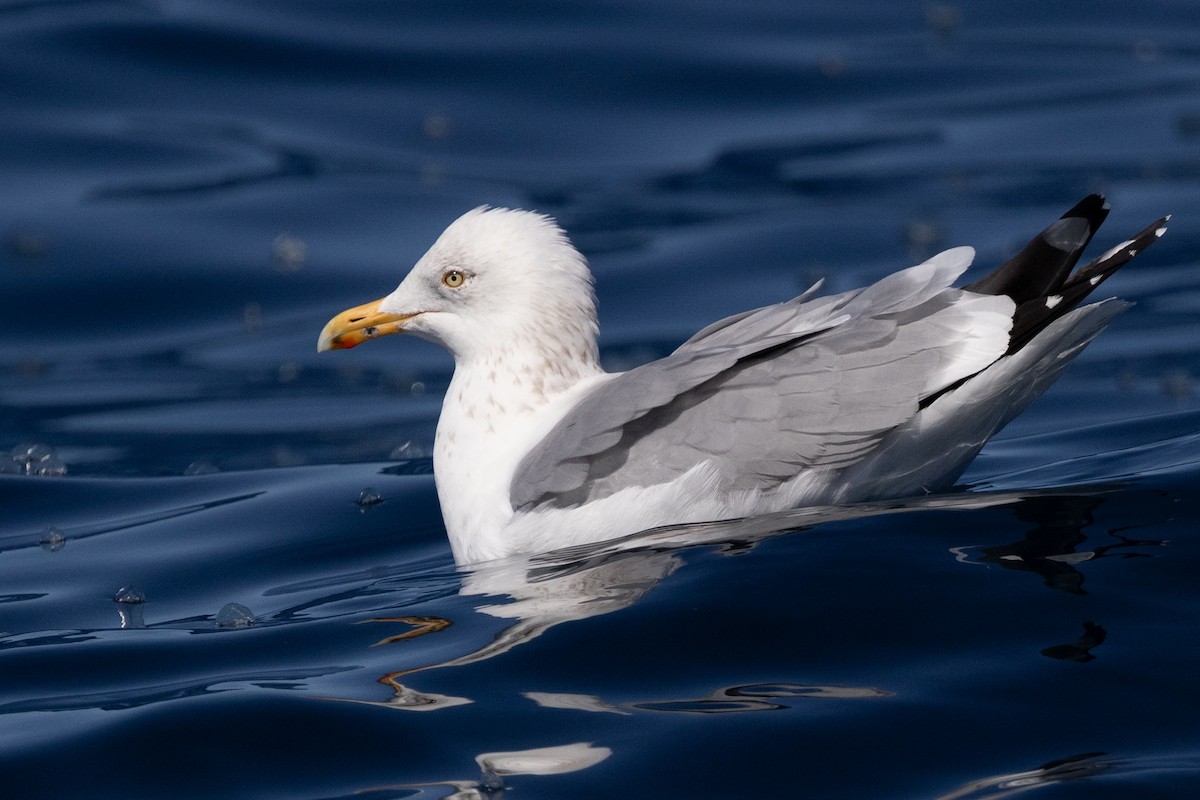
(189, 190)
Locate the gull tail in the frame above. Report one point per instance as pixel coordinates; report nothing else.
(1049, 329)
(1039, 278)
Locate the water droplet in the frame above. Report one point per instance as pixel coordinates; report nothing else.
(234, 615)
(1178, 385)
(130, 595)
(436, 126)
(130, 604)
(27, 451)
(288, 371)
(491, 784)
(52, 468)
(38, 459)
(288, 253)
(53, 539)
(286, 456)
(408, 450)
(368, 497)
(201, 467)
(944, 19)
(252, 317)
(28, 242)
(923, 237)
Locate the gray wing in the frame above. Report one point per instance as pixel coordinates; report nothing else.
(761, 396)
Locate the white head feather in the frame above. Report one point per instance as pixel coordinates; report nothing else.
(524, 288)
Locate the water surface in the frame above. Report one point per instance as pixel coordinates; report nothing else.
(190, 190)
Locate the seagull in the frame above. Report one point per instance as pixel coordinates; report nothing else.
(883, 392)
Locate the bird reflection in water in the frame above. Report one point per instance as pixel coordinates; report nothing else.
(494, 767)
(1054, 549)
(732, 699)
(540, 592)
(1063, 770)
(1051, 548)
(590, 580)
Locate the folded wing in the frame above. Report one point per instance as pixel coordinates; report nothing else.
(825, 383)
(760, 397)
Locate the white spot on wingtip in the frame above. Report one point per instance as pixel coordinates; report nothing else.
(1094, 280)
(1053, 300)
(1160, 231)
(1110, 253)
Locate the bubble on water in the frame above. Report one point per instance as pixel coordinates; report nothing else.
(130, 604)
(1178, 385)
(289, 371)
(288, 253)
(923, 236)
(37, 459)
(51, 469)
(944, 19)
(52, 539)
(436, 126)
(130, 596)
(285, 456)
(252, 317)
(409, 449)
(234, 615)
(28, 242)
(201, 467)
(368, 497)
(491, 784)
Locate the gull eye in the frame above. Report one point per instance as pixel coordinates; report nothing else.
(453, 279)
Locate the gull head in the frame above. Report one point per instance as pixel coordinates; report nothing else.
(496, 278)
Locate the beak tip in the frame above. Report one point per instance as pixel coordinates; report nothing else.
(336, 343)
(356, 325)
(327, 340)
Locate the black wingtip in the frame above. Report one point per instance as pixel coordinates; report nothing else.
(1035, 314)
(1094, 208)
(1046, 262)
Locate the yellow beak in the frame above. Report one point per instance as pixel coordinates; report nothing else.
(355, 325)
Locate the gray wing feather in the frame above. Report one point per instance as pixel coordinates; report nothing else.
(766, 321)
(601, 420)
(903, 289)
(807, 383)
